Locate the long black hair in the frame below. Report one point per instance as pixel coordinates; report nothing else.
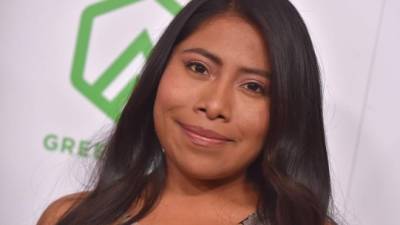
(291, 171)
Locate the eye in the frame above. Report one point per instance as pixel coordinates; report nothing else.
(197, 67)
(255, 87)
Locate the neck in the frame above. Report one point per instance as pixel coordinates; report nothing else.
(232, 190)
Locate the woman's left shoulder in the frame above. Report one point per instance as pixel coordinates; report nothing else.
(58, 208)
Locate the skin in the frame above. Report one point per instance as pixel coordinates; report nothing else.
(217, 79)
(206, 181)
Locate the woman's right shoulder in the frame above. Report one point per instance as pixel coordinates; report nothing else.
(59, 207)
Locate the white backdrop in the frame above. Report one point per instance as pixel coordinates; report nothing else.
(46, 121)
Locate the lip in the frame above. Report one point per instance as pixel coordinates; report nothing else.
(204, 137)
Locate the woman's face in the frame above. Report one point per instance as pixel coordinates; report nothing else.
(211, 112)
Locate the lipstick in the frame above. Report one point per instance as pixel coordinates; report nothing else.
(204, 137)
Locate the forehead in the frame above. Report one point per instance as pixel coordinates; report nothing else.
(230, 37)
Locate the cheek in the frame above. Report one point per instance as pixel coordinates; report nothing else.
(167, 99)
(254, 123)
(173, 98)
(168, 92)
(169, 95)
(174, 89)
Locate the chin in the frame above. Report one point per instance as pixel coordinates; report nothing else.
(209, 172)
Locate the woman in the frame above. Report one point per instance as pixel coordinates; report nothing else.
(225, 126)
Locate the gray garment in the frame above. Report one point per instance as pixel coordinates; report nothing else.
(252, 219)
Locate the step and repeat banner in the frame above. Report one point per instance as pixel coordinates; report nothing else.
(66, 68)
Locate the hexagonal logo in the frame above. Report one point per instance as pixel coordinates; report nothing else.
(106, 64)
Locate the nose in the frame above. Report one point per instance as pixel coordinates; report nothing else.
(215, 101)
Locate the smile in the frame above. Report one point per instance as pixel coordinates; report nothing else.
(203, 137)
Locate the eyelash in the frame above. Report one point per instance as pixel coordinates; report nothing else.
(193, 66)
(260, 89)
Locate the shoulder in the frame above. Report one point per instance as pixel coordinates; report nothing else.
(330, 221)
(58, 208)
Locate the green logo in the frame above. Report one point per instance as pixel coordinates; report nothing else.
(72, 146)
(141, 45)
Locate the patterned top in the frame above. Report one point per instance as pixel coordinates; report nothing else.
(252, 219)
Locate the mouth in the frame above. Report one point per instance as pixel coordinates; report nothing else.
(204, 137)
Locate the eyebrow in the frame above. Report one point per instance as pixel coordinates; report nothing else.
(217, 60)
